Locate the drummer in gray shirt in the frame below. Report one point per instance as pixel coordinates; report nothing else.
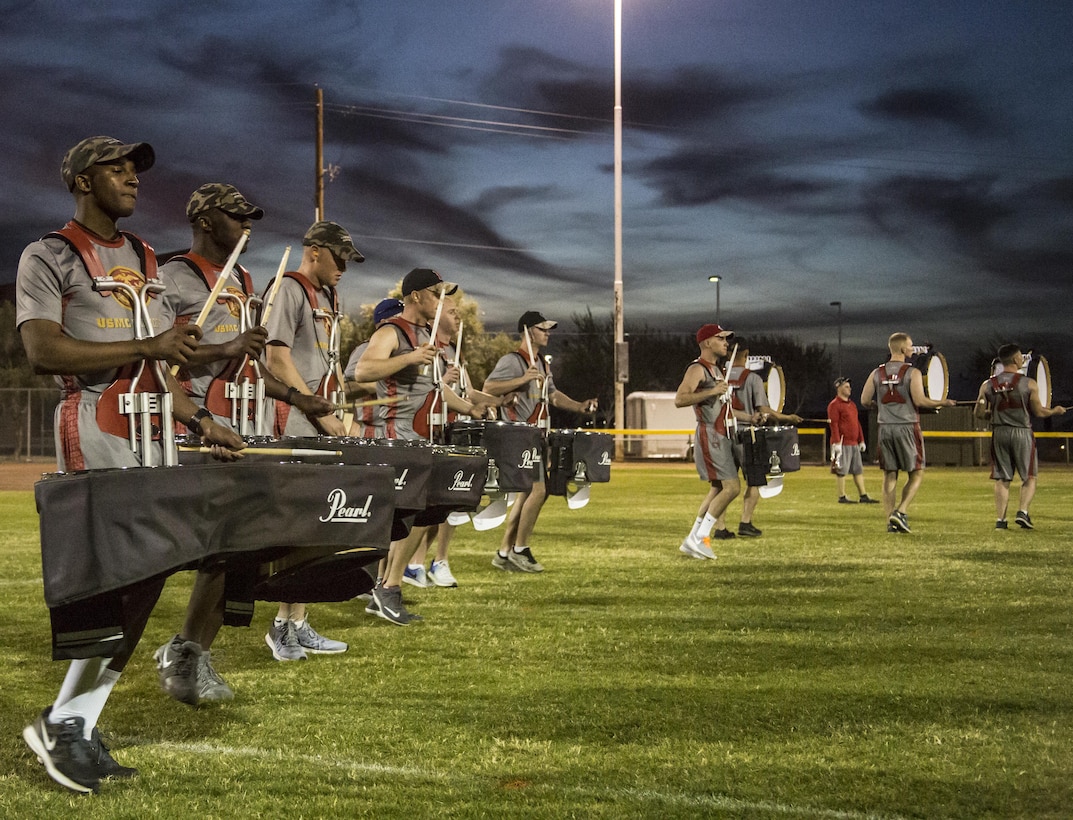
(749, 397)
(300, 353)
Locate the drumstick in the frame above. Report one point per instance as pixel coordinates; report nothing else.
(436, 319)
(818, 421)
(275, 286)
(369, 403)
(458, 346)
(218, 288)
(271, 451)
(529, 347)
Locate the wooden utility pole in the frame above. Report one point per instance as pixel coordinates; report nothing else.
(319, 184)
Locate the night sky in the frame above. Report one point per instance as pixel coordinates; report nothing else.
(913, 160)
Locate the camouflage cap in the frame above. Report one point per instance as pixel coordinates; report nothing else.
(223, 196)
(92, 150)
(334, 237)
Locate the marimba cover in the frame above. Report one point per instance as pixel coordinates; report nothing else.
(102, 530)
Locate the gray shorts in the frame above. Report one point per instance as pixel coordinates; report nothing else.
(80, 443)
(852, 463)
(714, 455)
(1013, 449)
(901, 447)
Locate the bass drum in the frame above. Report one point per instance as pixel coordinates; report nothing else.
(1039, 370)
(775, 385)
(932, 366)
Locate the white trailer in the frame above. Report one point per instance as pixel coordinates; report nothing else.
(656, 411)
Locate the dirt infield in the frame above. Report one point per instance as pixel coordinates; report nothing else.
(21, 475)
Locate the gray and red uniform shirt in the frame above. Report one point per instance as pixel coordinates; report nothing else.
(414, 383)
(892, 396)
(188, 286)
(528, 404)
(749, 393)
(55, 283)
(1008, 396)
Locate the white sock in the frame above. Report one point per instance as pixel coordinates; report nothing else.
(81, 676)
(706, 527)
(520, 550)
(88, 705)
(694, 534)
(300, 624)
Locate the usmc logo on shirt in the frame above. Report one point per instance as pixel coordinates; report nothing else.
(127, 277)
(234, 302)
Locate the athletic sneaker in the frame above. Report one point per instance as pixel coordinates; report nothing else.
(525, 560)
(176, 666)
(390, 606)
(415, 574)
(282, 639)
(503, 563)
(1002, 524)
(69, 758)
(868, 500)
(107, 766)
(747, 530)
(722, 535)
(843, 500)
(313, 642)
(372, 608)
(900, 520)
(697, 549)
(892, 528)
(210, 686)
(440, 574)
(1023, 521)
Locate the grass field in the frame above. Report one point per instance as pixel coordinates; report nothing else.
(826, 670)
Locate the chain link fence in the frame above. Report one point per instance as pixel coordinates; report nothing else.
(26, 415)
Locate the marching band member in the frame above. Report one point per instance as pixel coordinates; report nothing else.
(749, 401)
(1008, 400)
(303, 351)
(705, 388)
(897, 389)
(77, 326)
(218, 215)
(524, 378)
(400, 359)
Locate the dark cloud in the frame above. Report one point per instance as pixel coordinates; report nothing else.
(968, 208)
(686, 96)
(493, 199)
(698, 176)
(957, 108)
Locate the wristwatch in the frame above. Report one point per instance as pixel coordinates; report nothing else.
(194, 425)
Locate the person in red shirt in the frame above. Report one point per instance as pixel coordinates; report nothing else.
(847, 442)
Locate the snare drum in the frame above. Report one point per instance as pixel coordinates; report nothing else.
(577, 457)
(457, 482)
(514, 451)
(768, 451)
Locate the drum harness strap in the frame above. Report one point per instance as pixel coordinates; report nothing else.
(333, 385)
(430, 416)
(540, 416)
(1005, 393)
(240, 384)
(892, 396)
(139, 392)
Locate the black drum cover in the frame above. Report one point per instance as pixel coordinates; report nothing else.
(764, 449)
(569, 448)
(514, 449)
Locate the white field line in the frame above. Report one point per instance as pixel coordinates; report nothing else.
(640, 795)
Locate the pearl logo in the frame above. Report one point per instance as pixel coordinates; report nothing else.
(400, 480)
(340, 513)
(605, 459)
(530, 458)
(461, 484)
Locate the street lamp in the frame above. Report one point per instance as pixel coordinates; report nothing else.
(621, 375)
(839, 306)
(717, 280)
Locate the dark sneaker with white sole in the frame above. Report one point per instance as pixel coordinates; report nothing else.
(176, 666)
(1023, 520)
(107, 766)
(69, 758)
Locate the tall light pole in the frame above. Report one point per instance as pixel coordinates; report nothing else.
(839, 306)
(717, 280)
(621, 361)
